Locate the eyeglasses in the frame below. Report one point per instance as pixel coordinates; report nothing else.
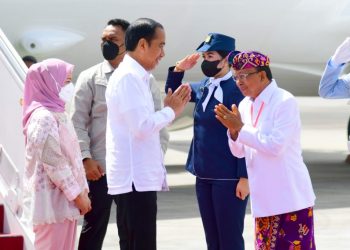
(243, 77)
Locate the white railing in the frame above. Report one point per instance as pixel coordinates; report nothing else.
(10, 179)
(12, 75)
(14, 62)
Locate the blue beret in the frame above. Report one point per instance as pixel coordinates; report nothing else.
(217, 42)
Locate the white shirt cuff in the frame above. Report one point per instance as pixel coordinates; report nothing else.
(170, 113)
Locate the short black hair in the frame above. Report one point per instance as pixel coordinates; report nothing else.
(223, 54)
(267, 71)
(141, 28)
(29, 59)
(119, 22)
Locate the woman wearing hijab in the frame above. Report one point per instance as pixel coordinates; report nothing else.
(221, 178)
(55, 187)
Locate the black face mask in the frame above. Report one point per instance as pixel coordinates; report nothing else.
(110, 50)
(210, 69)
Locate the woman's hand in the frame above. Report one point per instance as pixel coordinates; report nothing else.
(242, 190)
(83, 202)
(187, 63)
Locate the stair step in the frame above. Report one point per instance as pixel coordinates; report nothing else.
(8, 241)
(11, 242)
(1, 218)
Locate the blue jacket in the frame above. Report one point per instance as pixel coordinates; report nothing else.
(210, 156)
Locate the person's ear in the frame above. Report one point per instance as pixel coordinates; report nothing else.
(142, 44)
(222, 63)
(263, 75)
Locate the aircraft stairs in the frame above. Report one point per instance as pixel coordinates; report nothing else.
(8, 241)
(15, 232)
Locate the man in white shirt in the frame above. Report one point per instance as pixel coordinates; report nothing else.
(88, 112)
(266, 131)
(134, 158)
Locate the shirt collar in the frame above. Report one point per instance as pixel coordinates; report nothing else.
(266, 94)
(107, 67)
(216, 81)
(128, 61)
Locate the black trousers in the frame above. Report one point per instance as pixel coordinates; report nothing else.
(138, 214)
(96, 221)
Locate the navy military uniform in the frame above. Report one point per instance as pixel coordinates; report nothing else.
(210, 159)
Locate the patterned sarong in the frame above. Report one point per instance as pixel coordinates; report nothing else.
(290, 231)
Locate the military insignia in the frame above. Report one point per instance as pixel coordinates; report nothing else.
(208, 39)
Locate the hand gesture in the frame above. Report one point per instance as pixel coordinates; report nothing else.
(83, 203)
(242, 189)
(93, 169)
(231, 119)
(178, 100)
(342, 53)
(187, 63)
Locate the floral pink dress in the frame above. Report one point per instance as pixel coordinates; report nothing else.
(54, 174)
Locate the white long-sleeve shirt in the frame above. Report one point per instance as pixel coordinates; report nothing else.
(332, 84)
(278, 178)
(133, 150)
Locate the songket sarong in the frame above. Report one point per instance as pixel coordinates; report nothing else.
(290, 231)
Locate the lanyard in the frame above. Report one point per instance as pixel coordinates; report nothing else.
(259, 113)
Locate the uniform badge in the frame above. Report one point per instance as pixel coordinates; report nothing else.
(208, 39)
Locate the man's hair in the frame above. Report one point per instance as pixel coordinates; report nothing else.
(141, 28)
(29, 59)
(267, 71)
(119, 22)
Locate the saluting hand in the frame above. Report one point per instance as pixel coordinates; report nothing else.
(342, 53)
(187, 63)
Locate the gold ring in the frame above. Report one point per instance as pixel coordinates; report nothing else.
(225, 117)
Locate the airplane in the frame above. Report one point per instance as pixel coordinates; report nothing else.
(299, 37)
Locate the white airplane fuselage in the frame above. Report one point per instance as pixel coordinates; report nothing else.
(299, 36)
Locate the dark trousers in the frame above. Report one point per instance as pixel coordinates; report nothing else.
(138, 214)
(222, 214)
(96, 221)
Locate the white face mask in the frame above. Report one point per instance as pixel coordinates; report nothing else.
(67, 92)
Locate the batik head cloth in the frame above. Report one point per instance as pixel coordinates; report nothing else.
(250, 59)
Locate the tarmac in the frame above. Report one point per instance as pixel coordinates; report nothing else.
(324, 144)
